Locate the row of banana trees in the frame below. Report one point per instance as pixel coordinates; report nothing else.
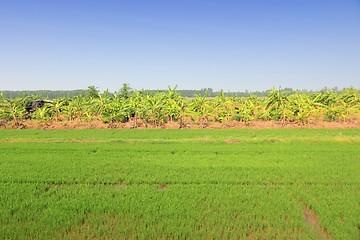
(138, 107)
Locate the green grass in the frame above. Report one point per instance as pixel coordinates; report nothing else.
(194, 184)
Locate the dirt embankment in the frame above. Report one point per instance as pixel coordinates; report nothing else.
(95, 124)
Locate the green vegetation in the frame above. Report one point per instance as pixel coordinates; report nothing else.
(183, 184)
(142, 109)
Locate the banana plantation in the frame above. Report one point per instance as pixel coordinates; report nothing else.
(138, 108)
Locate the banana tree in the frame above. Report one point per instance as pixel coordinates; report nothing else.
(75, 108)
(222, 108)
(302, 107)
(4, 109)
(245, 112)
(201, 109)
(173, 104)
(58, 106)
(116, 111)
(14, 110)
(279, 106)
(349, 102)
(153, 111)
(136, 105)
(43, 114)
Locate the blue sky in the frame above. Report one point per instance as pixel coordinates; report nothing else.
(233, 45)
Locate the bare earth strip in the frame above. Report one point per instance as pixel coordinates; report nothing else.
(95, 124)
(311, 219)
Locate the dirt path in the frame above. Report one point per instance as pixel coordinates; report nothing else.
(311, 219)
(76, 124)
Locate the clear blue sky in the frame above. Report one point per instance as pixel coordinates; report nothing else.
(222, 44)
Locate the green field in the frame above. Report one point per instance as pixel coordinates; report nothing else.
(180, 184)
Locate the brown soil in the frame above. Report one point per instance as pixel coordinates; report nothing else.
(232, 141)
(120, 185)
(162, 187)
(96, 124)
(311, 219)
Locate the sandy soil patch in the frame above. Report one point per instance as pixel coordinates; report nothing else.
(96, 124)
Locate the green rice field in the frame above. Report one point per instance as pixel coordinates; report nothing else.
(180, 184)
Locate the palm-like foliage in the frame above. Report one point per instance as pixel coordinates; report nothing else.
(303, 107)
(75, 108)
(169, 106)
(246, 111)
(222, 108)
(14, 110)
(279, 106)
(200, 108)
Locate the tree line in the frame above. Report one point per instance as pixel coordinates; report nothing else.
(184, 93)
